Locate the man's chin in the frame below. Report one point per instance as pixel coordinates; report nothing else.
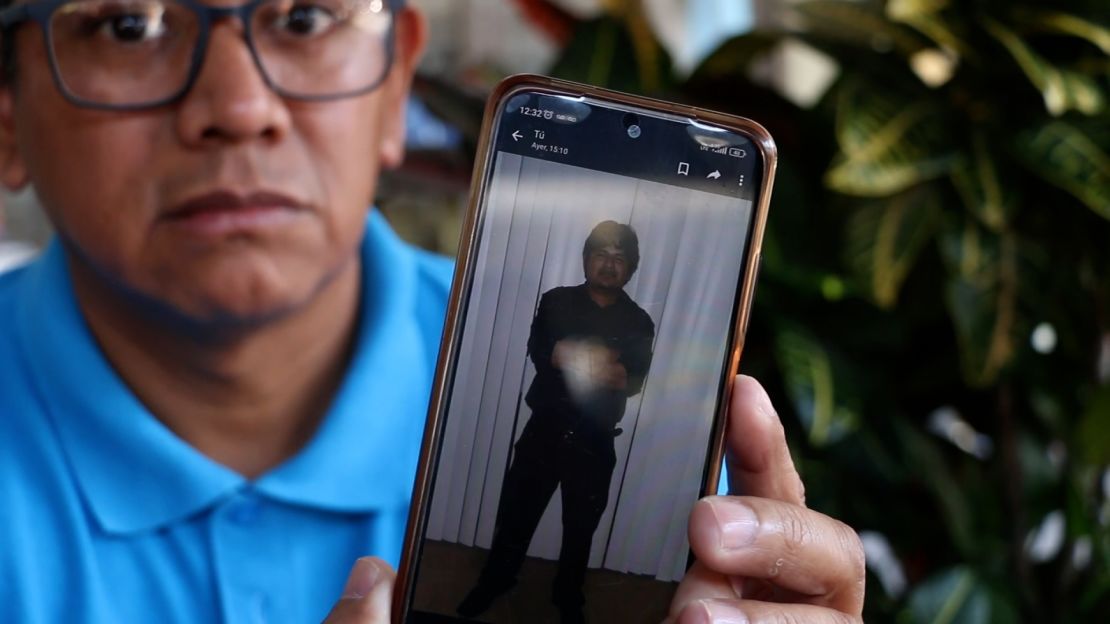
(233, 299)
(212, 314)
(250, 286)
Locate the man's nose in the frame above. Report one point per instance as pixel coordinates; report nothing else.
(230, 100)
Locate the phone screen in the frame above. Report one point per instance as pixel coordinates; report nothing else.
(589, 362)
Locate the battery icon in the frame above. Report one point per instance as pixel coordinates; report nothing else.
(736, 152)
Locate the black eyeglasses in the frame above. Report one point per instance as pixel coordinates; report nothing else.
(134, 54)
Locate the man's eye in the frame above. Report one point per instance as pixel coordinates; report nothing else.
(306, 20)
(129, 28)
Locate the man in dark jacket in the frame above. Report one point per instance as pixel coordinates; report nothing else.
(591, 345)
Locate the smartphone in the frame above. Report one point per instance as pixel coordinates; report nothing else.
(603, 287)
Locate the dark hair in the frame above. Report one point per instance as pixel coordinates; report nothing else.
(619, 235)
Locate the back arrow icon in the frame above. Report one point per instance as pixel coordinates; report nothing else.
(517, 135)
(714, 176)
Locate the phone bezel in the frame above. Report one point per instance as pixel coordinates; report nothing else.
(464, 273)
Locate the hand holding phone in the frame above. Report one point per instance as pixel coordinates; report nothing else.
(765, 557)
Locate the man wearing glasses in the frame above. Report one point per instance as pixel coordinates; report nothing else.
(213, 383)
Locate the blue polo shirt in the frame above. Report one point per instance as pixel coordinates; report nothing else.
(107, 516)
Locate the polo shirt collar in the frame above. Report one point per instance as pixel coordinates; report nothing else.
(137, 475)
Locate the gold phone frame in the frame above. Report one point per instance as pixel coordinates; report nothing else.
(464, 274)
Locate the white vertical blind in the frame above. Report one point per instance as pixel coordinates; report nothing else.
(691, 248)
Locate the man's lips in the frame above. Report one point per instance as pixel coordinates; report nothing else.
(228, 201)
(223, 212)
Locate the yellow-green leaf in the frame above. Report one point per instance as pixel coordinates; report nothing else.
(1062, 89)
(1065, 156)
(902, 10)
(857, 23)
(1073, 25)
(976, 180)
(887, 144)
(982, 299)
(862, 112)
(884, 240)
(871, 174)
(811, 383)
(871, 178)
(925, 17)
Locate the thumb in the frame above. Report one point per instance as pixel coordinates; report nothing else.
(366, 596)
(759, 460)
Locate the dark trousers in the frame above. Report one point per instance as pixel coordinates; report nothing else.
(548, 456)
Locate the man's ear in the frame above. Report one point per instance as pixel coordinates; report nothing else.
(411, 35)
(13, 171)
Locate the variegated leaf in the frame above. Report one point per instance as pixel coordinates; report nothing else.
(977, 181)
(1072, 25)
(858, 23)
(925, 17)
(1068, 158)
(887, 143)
(982, 299)
(811, 382)
(1062, 89)
(884, 240)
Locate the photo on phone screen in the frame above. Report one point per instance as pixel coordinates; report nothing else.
(591, 354)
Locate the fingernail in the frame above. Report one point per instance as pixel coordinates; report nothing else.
(719, 612)
(736, 522)
(364, 575)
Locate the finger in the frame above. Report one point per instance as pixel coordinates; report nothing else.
(755, 612)
(794, 548)
(759, 460)
(700, 583)
(366, 597)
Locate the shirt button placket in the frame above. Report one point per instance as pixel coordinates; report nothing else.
(242, 558)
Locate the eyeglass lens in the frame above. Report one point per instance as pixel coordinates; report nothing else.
(129, 52)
